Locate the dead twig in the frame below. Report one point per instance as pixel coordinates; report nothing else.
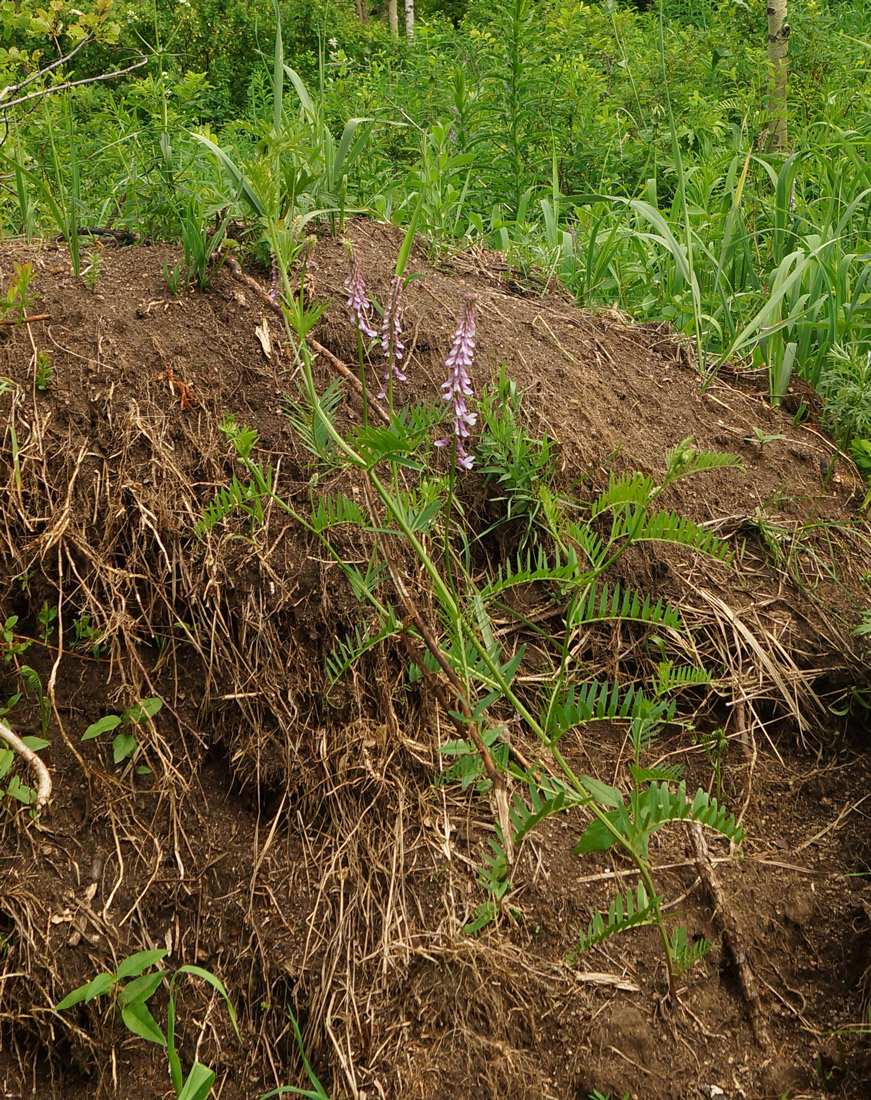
(734, 938)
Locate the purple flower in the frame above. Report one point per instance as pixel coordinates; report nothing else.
(358, 303)
(459, 386)
(273, 290)
(391, 332)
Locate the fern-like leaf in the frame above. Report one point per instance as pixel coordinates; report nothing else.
(669, 678)
(684, 955)
(658, 805)
(601, 701)
(331, 511)
(632, 910)
(684, 461)
(602, 603)
(532, 566)
(350, 649)
(647, 812)
(636, 525)
(546, 798)
(309, 426)
(634, 489)
(234, 496)
(665, 773)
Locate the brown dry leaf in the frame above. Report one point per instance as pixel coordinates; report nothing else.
(262, 333)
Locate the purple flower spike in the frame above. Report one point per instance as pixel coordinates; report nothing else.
(358, 303)
(459, 386)
(273, 290)
(391, 333)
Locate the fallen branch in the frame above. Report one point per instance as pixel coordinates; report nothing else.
(43, 790)
(734, 938)
(120, 236)
(26, 320)
(346, 372)
(5, 106)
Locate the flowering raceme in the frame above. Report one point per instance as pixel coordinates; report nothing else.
(391, 333)
(459, 386)
(358, 302)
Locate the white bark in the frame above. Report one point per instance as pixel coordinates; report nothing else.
(409, 19)
(393, 18)
(778, 48)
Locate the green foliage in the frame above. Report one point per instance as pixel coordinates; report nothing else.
(846, 387)
(131, 988)
(514, 463)
(10, 645)
(19, 296)
(634, 910)
(648, 811)
(88, 637)
(124, 744)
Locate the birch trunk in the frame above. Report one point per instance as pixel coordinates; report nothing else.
(778, 47)
(409, 19)
(393, 18)
(363, 10)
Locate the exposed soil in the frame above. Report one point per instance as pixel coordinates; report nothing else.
(298, 847)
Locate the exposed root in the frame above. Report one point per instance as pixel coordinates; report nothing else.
(43, 789)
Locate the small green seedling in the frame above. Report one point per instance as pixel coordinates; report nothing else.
(132, 988)
(87, 636)
(46, 617)
(91, 273)
(19, 297)
(173, 278)
(761, 439)
(124, 743)
(44, 374)
(33, 685)
(10, 646)
(864, 628)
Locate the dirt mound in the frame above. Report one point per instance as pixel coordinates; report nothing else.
(296, 845)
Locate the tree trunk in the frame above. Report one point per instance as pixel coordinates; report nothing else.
(778, 46)
(393, 18)
(363, 10)
(409, 19)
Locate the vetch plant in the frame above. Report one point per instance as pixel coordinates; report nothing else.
(359, 305)
(462, 650)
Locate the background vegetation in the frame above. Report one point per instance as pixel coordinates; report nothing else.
(619, 149)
